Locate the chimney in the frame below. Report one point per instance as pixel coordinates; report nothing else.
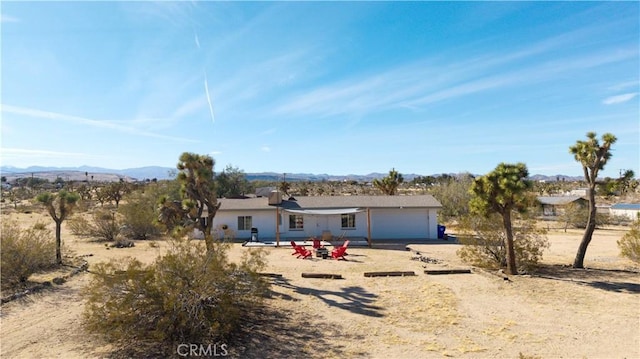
(275, 198)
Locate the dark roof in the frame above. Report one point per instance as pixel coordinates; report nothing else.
(317, 202)
(559, 200)
(628, 206)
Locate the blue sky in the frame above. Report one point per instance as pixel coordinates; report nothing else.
(338, 88)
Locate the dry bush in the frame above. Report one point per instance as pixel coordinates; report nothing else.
(79, 226)
(41, 226)
(576, 216)
(24, 252)
(629, 244)
(105, 225)
(483, 240)
(139, 217)
(185, 296)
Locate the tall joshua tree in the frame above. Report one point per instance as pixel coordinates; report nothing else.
(389, 184)
(60, 206)
(502, 191)
(198, 191)
(593, 156)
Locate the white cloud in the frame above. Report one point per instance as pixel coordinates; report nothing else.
(619, 98)
(436, 78)
(6, 18)
(87, 122)
(265, 149)
(624, 85)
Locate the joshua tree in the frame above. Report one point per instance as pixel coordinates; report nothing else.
(502, 191)
(59, 206)
(198, 191)
(116, 190)
(389, 184)
(593, 156)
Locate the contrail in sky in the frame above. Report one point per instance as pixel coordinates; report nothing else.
(206, 90)
(206, 82)
(197, 40)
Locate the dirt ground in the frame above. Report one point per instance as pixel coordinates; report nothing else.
(556, 313)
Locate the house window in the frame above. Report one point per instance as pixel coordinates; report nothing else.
(244, 223)
(296, 221)
(349, 221)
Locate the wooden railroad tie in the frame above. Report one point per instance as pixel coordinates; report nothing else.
(322, 275)
(447, 271)
(390, 274)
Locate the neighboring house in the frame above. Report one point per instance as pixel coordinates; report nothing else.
(629, 210)
(370, 217)
(580, 192)
(556, 205)
(603, 208)
(264, 191)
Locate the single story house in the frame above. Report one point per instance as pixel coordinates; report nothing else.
(328, 217)
(556, 205)
(629, 210)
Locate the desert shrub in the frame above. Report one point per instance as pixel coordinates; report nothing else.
(483, 240)
(185, 296)
(629, 244)
(41, 226)
(619, 220)
(139, 217)
(105, 225)
(24, 252)
(454, 196)
(79, 226)
(576, 216)
(121, 242)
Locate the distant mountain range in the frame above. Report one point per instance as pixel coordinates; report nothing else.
(161, 173)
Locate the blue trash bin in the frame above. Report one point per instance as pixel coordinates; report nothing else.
(441, 230)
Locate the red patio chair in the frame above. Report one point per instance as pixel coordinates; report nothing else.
(300, 251)
(340, 252)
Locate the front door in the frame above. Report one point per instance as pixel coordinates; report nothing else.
(322, 224)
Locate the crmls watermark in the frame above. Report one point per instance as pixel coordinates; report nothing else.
(202, 350)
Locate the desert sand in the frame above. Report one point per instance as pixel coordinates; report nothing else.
(556, 313)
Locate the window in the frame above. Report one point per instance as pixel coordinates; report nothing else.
(244, 223)
(296, 221)
(349, 220)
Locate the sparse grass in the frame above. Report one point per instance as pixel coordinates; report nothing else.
(502, 330)
(524, 356)
(40, 226)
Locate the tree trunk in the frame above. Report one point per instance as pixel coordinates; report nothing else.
(511, 254)
(208, 228)
(588, 232)
(58, 242)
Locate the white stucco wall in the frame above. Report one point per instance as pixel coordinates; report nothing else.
(629, 213)
(386, 223)
(315, 225)
(407, 223)
(264, 221)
